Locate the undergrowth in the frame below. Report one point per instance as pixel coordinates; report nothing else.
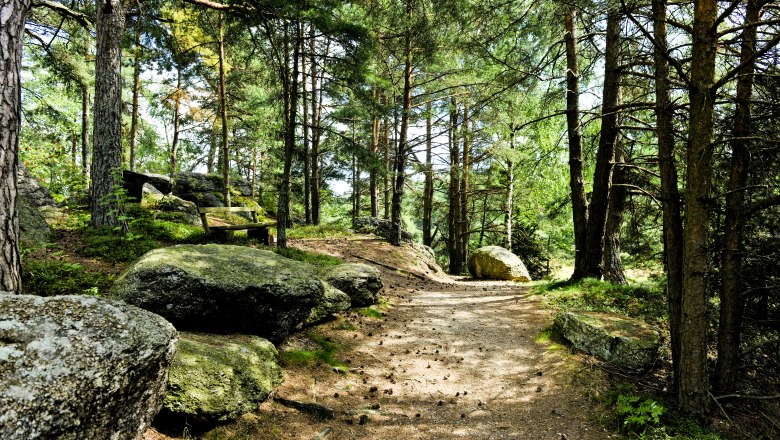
(321, 261)
(324, 352)
(330, 230)
(48, 278)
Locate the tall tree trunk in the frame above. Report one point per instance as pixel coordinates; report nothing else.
(305, 149)
(373, 186)
(386, 188)
(403, 148)
(731, 300)
(13, 13)
(316, 106)
(510, 189)
(85, 168)
(670, 196)
(428, 189)
(693, 388)
(136, 92)
(579, 202)
(465, 223)
(223, 113)
(176, 122)
(602, 177)
(613, 265)
(107, 144)
(453, 217)
(291, 106)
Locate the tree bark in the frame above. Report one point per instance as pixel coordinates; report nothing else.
(428, 189)
(579, 202)
(223, 113)
(316, 105)
(305, 149)
(136, 93)
(13, 13)
(403, 148)
(453, 217)
(731, 300)
(510, 191)
(613, 265)
(176, 122)
(291, 106)
(85, 165)
(373, 185)
(386, 188)
(670, 195)
(693, 388)
(465, 223)
(605, 157)
(107, 143)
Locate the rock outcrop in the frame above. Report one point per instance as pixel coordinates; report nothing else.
(622, 341)
(497, 263)
(333, 301)
(79, 367)
(31, 189)
(380, 227)
(360, 281)
(33, 228)
(134, 183)
(206, 190)
(223, 289)
(217, 378)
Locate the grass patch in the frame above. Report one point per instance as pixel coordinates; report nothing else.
(321, 261)
(343, 324)
(371, 312)
(639, 300)
(329, 230)
(551, 338)
(48, 278)
(109, 245)
(324, 352)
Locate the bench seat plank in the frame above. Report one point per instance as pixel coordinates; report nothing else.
(244, 226)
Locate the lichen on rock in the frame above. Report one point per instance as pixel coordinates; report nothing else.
(360, 281)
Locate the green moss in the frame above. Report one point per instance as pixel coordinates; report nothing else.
(329, 230)
(321, 261)
(109, 245)
(325, 353)
(371, 312)
(48, 278)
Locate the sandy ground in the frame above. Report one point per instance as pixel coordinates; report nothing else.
(451, 358)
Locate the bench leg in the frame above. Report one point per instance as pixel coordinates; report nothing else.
(261, 235)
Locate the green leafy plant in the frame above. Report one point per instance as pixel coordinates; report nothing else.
(638, 414)
(47, 278)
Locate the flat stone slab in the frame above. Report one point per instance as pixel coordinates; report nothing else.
(625, 342)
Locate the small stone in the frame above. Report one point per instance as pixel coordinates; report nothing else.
(363, 419)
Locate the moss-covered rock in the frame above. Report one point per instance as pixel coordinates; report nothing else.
(360, 281)
(80, 367)
(217, 378)
(33, 228)
(625, 342)
(333, 301)
(207, 189)
(223, 289)
(497, 263)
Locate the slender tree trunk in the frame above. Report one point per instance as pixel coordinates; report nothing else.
(373, 186)
(305, 152)
(316, 105)
(386, 189)
(428, 190)
(453, 223)
(670, 196)
(510, 191)
(85, 168)
(211, 158)
(731, 300)
(465, 223)
(13, 13)
(176, 121)
(693, 388)
(74, 146)
(579, 202)
(136, 92)
(403, 148)
(602, 177)
(223, 113)
(107, 144)
(613, 265)
(291, 95)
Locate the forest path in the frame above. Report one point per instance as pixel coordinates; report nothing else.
(452, 358)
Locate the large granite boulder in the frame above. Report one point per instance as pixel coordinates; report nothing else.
(29, 188)
(79, 367)
(380, 227)
(206, 190)
(497, 263)
(217, 378)
(333, 301)
(33, 228)
(622, 341)
(360, 281)
(134, 183)
(223, 289)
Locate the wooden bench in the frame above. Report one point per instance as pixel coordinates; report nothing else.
(256, 229)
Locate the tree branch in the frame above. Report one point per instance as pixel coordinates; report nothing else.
(64, 11)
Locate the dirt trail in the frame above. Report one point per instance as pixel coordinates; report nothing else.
(453, 358)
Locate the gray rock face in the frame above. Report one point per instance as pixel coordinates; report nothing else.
(497, 263)
(31, 189)
(333, 301)
(625, 342)
(380, 227)
(360, 281)
(206, 189)
(223, 289)
(134, 183)
(33, 228)
(218, 378)
(79, 367)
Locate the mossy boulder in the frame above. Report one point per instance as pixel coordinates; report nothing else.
(80, 367)
(33, 228)
(223, 289)
(333, 301)
(207, 189)
(217, 378)
(625, 342)
(360, 281)
(497, 263)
